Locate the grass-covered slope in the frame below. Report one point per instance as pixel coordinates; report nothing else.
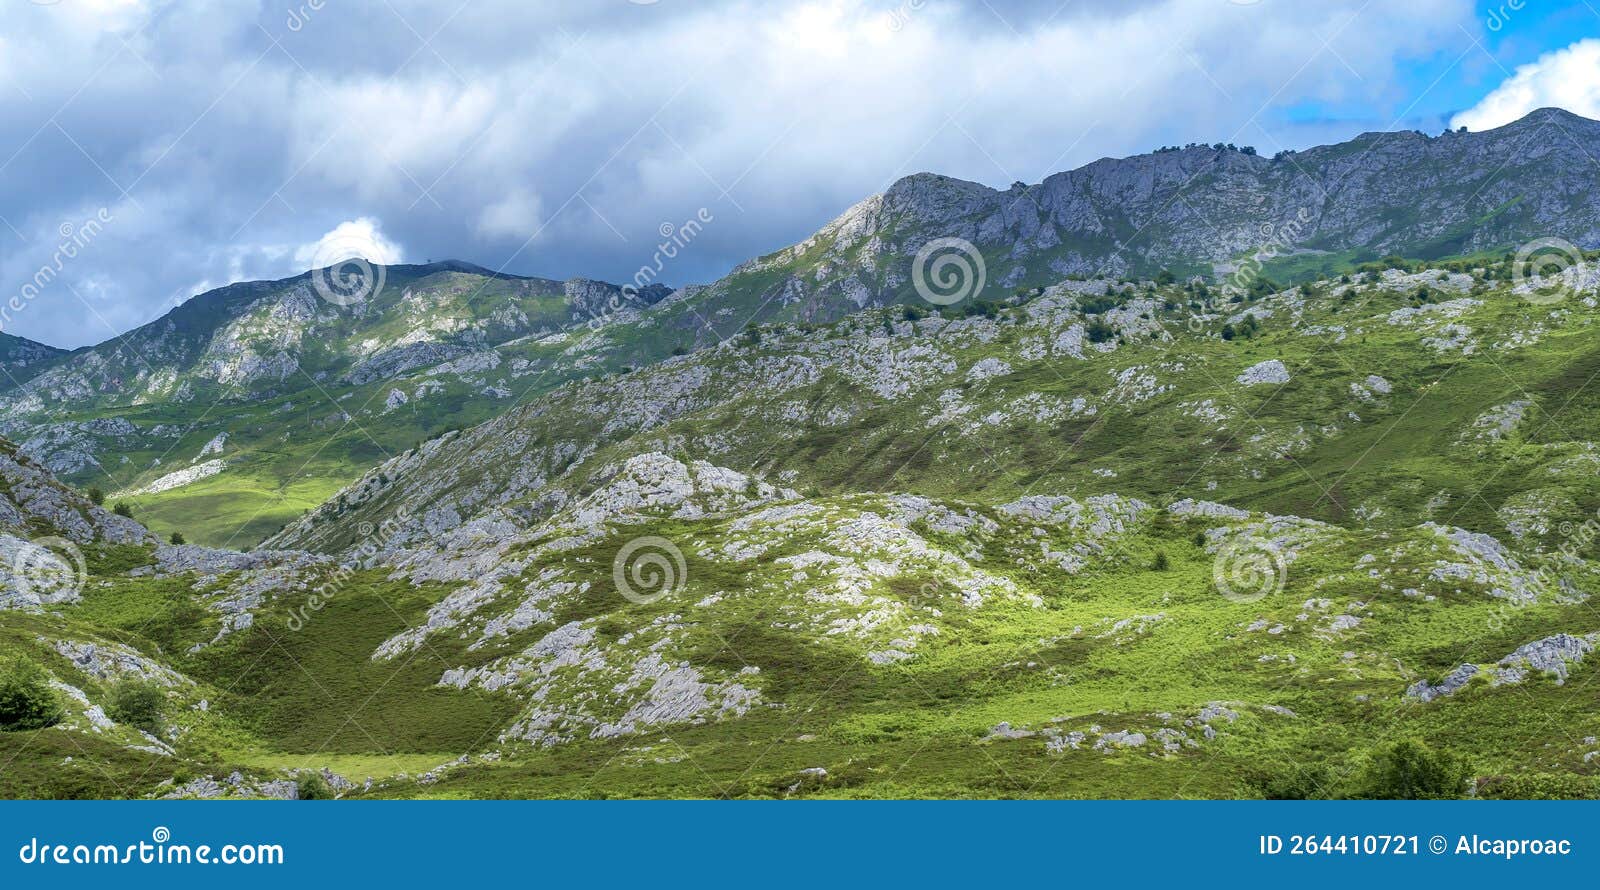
(247, 405)
(1389, 399)
(856, 645)
(1103, 540)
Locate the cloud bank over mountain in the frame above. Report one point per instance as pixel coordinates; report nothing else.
(561, 139)
(1567, 78)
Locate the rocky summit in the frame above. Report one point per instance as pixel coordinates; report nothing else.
(1230, 496)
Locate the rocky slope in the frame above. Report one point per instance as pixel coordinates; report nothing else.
(687, 629)
(21, 359)
(230, 388)
(964, 556)
(1341, 387)
(1121, 536)
(244, 407)
(1196, 210)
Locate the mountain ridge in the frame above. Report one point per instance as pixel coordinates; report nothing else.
(383, 371)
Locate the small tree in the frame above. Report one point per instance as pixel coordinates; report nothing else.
(122, 509)
(1161, 563)
(177, 538)
(96, 496)
(138, 703)
(26, 699)
(1409, 770)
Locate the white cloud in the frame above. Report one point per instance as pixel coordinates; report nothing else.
(355, 239)
(1567, 78)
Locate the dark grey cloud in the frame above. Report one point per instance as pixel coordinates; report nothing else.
(558, 139)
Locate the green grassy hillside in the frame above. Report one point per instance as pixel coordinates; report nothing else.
(1101, 540)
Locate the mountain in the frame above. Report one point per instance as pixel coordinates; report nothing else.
(786, 536)
(1103, 540)
(1194, 211)
(1064, 390)
(243, 406)
(21, 359)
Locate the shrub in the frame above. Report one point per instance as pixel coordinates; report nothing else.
(96, 496)
(1540, 786)
(985, 308)
(1099, 332)
(312, 786)
(1409, 770)
(122, 509)
(26, 699)
(1293, 782)
(177, 538)
(1161, 563)
(137, 703)
(1096, 305)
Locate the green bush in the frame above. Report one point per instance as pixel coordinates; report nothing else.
(1409, 770)
(310, 785)
(26, 699)
(96, 496)
(137, 703)
(122, 509)
(177, 538)
(1293, 782)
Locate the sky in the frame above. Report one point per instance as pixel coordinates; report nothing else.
(150, 151)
